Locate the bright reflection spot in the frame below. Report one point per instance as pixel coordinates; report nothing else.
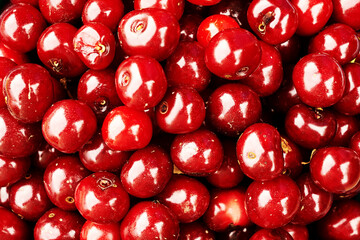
(17, 86)
(329, 83)
(227, 102)
(78, 125)
(24, 195)
(237, 56)
(315, 12)
(136, 38)
(94, 10)
(177, 197)
(343, 50)
(51, 42)
(92, 84)
(11, 26)
(141, 224)
(303, 5)
(95, 233)
(344, 167)
(299, 121)
(219, 208)
(244, 109)
(354, 223)
(60, 176)
(27, 28)
(57, 123)
(275, 21)
(266, 72)
(330, 43)
(312, 77)
(327, 165)
(252, 144)
(222, 51)
(159, 226)
(188, 151)
(318, 129)
(136, 170)
(284, 23)
(181, 62)
(188, 112)
(284, 203)
(206, 155)
(195, 68)
(154, 173)
(135, 131)
(162, 32)
(212, 29)
(264, 198)
(3, 128)
(91, 200)
(48, 230)
(174, 112)
(316, 201)
(116, 126)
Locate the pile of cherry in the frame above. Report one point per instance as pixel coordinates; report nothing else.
(174, 119)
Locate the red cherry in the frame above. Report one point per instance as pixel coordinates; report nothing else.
(292, 158)
(45, 155)
(61, 11)
(12, 227)
(290, 49)
(346, 127)
(4, 197)
(175, 7)
(97, 231)
(195, 230)
(298, 232)
(355, 143)
(347, 13)
(6, 66)
(17, 57)
(35, 3)
(13, 169)
(204, 2)
(271, 234)
(189, 24)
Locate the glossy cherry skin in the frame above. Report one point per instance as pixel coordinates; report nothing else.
(35, 3)
(4, 197)
(236, 233)
(195, 230)
(335, 169)
(290, 49)
(21, 26)
(57, 224)
(347, 13)
(312, 16)
(28, 197)
(298, 232)
(140, 82)
(273, 203)
(28, 89)
(13, 55)
(204, 2)
(186, 197)
(45, 154)
(267, 77)
(310, 128)
(338, 40)
(147, 216)
(68, 125)
(18, 139)
(107, 12)
(315, 202)
(151, 32)
(96, 231)
(233, 54)
(342, 221)
(189, 24)
(56, 51)
(182, 110)
(147, 172)
(271, 234)
(12, 227)
(292, 158)
(229, 174)
(319, 80)
(186, 67)
(346, 127)
(259, 152)
(101, 198)
(61, 11)
(227, 207)
(13, 169)
(61, 178)
(273, 21)
(175, 7)
(233, 107)
(6, 66)
(355, 142)
(126, 129)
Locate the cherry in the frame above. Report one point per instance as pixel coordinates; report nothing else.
(6, 66)
(35, 3)
(28, 89)
(13, 169)
(21, 26)
(28, 198)
(101, 198)
(292, 158)
(97, 231)
(233, 54)
(186, 67)
(226, 208)
(347, 13)
(140, 82)
(189, 24)
(271, 234)
(182, 110)
(335, 169)
(107, 12)
(290, 49)
(273, 21)
(13, 55)
(204, 2)
(310, 128)
(151, 32)
(4, 197)
(12, 227)
(175, 7)
(298, 232)
(273, 203)
(346, 127)
(61, 11)
(195, 230)
(259, 152)
(355, 142)
(45, 155)
(147, 172)
(186, 197)
(343, 49)
(56, 51)
(57, 224)
(236, 233)
(126, 129)
(233, 107)
(154, 219)
(68, 125)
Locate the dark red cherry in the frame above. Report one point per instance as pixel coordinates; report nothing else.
(298, 232)
(35, 3)
(347, 13)
(271, 234)
(18, 139)
(147, 172)
(28, 89)
(335, 169)
(186, 197)
(186, 67)
(226, 208)
(151, 32)
(346, 127)
(13, 169)
(12, 227)
(233, 107)
(97, 156)
(56, 51)
(273, 21)
(101, 198)
(319, 80)
(97, 231)
(28, 198)
(45, 154)
(204, 2)
(315, 202)
(175, 7)
(310, 128)
(355, 143)
(342, 222)
(126, 129)
(68, 125)
(189, 24)
(62, 10)
(6, 66)
(273, 203)
(154, 219)
(61, 178)
(292, 158)
(290, 49)
(21, 26)
(236, 233)
(195, 230)
(4, 197)
(233, 54)
(17, 57)
(107, 12)
(57, 224)
(140, 82)
(259, 152)
(182, 110)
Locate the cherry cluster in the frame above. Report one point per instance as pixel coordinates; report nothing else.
(180, 119)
